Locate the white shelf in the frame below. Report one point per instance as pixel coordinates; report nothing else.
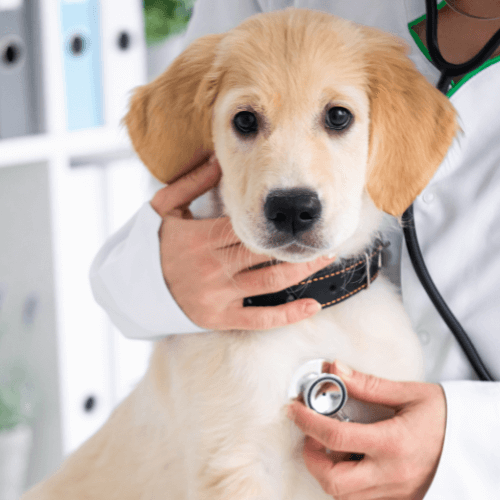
(87, 183)
(81, 146)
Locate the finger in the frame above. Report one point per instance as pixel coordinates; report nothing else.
(201, 234)
(188, 187)
(265, 318)
(337, 479)
(219, 233)
(318, 463)
(372, 493)
(237, 258)
(201, 156)
(335, 435)
(275, 278)
(371, 389)
(315, 447)
(216, 233)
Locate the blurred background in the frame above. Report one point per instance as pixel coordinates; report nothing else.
(68, 180)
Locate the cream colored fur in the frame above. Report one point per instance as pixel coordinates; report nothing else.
(207, 420)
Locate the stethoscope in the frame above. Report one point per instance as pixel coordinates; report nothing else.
(448, 71)
(326, 393)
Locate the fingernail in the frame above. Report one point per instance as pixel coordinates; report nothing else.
(330, 256)
(343, 370)
(313, 307)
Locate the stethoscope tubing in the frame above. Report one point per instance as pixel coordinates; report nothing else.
(448, 70)
(436, 298)
(445, 67)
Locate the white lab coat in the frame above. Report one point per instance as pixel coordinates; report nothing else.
(457, 224)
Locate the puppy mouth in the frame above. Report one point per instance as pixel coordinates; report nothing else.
(310, 240)
(298, 249)
(303, 247)
(298, 244)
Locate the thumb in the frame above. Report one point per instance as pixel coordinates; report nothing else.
(372, 389)
(187, 188)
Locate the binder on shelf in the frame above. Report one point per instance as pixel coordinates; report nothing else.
(124, 55)
(98, 365)
(80, 24)
(19, 71)
(83, 340)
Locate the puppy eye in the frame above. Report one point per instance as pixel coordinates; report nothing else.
(338, 118)
(245, 122)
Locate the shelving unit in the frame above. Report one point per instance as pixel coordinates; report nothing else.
(61, 195)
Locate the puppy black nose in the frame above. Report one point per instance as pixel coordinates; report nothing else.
(292, 211)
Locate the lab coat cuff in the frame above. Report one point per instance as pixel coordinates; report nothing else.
(470, 461)
(128, 282)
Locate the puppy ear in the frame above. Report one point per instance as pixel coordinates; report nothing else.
(169, 119)
(412, 125)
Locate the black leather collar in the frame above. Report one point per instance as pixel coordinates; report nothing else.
(331, 285)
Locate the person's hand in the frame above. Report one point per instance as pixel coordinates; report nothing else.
(401, 454)
(205, 265)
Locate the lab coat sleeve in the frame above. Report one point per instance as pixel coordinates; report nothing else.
(127, 281)
(470, 461)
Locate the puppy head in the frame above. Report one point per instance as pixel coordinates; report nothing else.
(318, 125)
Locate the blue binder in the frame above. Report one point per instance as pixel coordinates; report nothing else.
(82, 63)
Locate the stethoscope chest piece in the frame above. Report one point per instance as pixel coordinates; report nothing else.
(325, 393)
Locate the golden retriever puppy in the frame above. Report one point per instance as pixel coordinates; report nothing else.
(302, 108)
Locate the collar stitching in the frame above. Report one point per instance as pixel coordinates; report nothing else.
(319, 278)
